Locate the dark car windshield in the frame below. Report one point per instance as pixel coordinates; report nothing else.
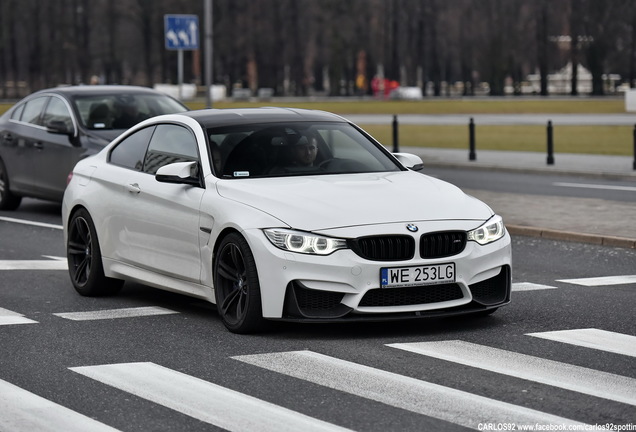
(294, 148)
(122, 111)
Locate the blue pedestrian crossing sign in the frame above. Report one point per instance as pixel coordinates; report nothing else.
(182, 32)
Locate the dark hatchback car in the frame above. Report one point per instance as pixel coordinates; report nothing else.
(44, 135)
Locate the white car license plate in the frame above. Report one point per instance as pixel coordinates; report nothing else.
(398, 277)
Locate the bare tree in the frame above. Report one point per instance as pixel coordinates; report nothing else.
(298, 47)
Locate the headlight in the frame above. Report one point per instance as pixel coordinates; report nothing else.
(489, 232)
(302, 242)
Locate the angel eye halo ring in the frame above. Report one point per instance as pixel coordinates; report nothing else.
(303, 242)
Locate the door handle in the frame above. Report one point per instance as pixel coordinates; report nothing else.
(38, 146)
(133, 188)
(8, 138)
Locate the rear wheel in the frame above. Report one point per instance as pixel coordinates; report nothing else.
(8, 201)
(85, 259)
(236, 286)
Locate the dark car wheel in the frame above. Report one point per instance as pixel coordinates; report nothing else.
(85, 259)
(8, 201)
(237, 290)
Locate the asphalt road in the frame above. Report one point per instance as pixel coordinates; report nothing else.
(153, 360)
(532, 184)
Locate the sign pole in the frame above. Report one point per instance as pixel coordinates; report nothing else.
(180, 73)
(209, 46)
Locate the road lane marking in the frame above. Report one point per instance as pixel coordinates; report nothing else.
(28, 222)
(570, 377)
(116, 313)
(602, 281)
(53, 263)
(23, 411)
(593, 338)
(528, 286)
(8, 317)
(202, 400)
(421, 397)
(595, 186)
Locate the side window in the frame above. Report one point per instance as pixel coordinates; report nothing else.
(56, 111)
(130, 152)
(17, 113)
(33, 110)
(170, 144)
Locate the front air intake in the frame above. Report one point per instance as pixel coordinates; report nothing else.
(384, 297)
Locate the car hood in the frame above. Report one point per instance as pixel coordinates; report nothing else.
(333, 201)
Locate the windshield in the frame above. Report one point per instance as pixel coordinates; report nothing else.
(122, 111)
(287, 149)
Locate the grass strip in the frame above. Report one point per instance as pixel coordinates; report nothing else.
(605, 140)
(445, 106)
(593, 139)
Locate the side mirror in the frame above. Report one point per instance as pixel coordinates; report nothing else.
(59, 127)
(180, 173)
(410, 161)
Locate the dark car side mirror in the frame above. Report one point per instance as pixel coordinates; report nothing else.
(59, 127)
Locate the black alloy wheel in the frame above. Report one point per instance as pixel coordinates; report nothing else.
(237, 290)
(8, 201)
(85, 260)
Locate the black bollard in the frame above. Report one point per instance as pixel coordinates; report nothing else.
(634, 147)
(550, 144)
(396, 146)
(471, 140)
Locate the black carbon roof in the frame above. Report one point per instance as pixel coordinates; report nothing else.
(213, 117)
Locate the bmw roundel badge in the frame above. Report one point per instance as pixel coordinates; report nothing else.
(412, 227)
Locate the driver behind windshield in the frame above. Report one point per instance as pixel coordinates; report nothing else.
(303, 152)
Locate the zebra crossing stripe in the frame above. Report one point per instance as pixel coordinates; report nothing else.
(23, 411)
(202, 400)
(116, 313)
(399, 391)
(33, 223)
(593, 338)
(583, 380)
(528, 286)
(602, 281)
(51, 263)
(8, 317)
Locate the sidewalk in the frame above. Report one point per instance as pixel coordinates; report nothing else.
(586, 220)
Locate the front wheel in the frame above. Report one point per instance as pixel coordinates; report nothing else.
(236, 286)
(8, 201)
(85, 259)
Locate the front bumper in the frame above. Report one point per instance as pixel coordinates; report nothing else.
(346, 287)
(303, 304)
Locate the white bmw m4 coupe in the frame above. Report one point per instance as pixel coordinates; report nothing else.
(280, 214)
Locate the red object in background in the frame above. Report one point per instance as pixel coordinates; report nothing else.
(383, 87)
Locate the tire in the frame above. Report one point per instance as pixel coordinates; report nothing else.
(85, 259)
(236, 286)
(8, 201)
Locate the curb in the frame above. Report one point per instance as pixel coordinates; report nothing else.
(596, 239)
